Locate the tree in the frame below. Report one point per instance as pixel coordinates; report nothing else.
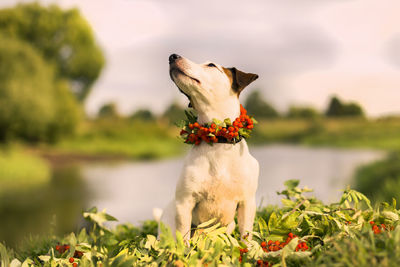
(335, 107)
(108, 110)
(338, 109)
(302, 112)
(143, 114)
(174, 113)
(258, 107)
(34, 105)
(63, 38)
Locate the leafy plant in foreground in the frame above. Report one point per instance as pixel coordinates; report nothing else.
(303, 232)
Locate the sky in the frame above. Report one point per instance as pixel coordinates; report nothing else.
(304, 51)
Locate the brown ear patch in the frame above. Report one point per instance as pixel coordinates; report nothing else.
(239, 79)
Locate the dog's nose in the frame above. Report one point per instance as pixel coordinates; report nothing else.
(173, 58)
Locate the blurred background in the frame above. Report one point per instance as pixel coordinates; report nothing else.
(87, 108)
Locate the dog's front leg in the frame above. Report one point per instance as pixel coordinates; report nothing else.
(183, 219)
(246, 214)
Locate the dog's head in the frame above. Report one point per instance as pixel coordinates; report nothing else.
(208, 84)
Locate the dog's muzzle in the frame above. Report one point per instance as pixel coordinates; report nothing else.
(172, 58)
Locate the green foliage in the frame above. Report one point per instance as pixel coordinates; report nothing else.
(302, 112)
(63, 38)
(174, 113)
(109, 111)
(380, 180)
(338, 234)
(338, 109)
(143, 114)
(258, 107)
(34, 106)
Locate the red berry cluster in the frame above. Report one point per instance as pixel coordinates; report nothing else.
(277, 245)
(195, 133)
(62, 248)
(377, 229)
(77, 254)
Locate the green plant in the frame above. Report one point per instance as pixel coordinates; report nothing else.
(304, 232)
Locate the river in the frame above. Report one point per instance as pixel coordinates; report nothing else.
(129, 190)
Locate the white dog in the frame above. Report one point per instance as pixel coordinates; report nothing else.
(216, 180)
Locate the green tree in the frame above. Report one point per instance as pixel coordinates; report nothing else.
(258, 107)
(108, 110)
(337, 108)
(34, 105)
(63, 37)
(174, 113)
(302, 112)
(142, 114)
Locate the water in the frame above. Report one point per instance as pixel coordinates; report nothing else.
(130, 190)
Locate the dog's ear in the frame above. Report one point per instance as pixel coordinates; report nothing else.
(240, 79)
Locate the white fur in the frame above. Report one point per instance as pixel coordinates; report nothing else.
(216, 180)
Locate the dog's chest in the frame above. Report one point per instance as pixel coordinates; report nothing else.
(220, 173)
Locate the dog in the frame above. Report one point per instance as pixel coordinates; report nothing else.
(218, 180)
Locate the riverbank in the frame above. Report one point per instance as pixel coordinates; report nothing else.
(381, 133)
(144, 140)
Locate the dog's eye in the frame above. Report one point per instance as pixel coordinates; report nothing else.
(211, 65)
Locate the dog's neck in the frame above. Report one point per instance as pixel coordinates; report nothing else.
(226, 109)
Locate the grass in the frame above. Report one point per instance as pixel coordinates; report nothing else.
(20, 171)
(347, 233)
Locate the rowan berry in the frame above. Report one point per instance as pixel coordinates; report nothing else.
(78, 254)
(74, 264)
(58, 248)
(71, 260)
(259, 262)
(196, 125)
(263, 244)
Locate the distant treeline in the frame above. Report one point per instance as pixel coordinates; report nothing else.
(255, 104)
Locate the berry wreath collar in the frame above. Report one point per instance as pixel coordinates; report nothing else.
(218, 131)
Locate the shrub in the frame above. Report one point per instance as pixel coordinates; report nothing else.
(302, 112)
(338, 109)
(380, 180)
(34, 106)
(258, 107)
